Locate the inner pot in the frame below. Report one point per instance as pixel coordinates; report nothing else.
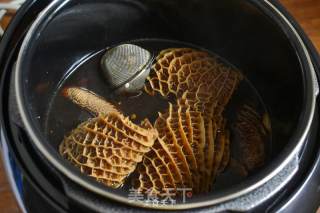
(241, 32)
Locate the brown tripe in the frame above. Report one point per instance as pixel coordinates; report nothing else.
(189, 144)
(179, 150)
(252, 134)
(88, 100)
(207, 85)
(109, 146)
(221, 146)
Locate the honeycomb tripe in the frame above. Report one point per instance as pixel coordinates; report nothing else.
(207, 85)
(252, 137)
(88, 100)
(109, 146)
(178, 153)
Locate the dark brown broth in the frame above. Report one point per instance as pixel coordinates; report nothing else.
(63, 116)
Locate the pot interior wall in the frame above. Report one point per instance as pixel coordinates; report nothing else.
(233, 29)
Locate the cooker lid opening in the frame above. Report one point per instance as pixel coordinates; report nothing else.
(67, 54)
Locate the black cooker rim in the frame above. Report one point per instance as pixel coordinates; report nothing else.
(288, 152)
(9, 45)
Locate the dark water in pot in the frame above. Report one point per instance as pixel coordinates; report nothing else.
(63, 116)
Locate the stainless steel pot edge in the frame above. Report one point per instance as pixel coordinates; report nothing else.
(100, 191)
(313, 72)
(258, 196)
